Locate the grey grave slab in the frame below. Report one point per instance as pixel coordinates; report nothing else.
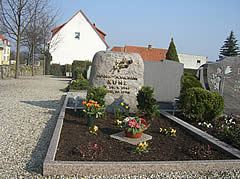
(134, 141)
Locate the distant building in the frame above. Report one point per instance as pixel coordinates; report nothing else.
(77, 39)
(157, 54)
(4, 51)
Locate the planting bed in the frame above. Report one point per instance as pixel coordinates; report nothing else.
(184, 157)
(77, 144)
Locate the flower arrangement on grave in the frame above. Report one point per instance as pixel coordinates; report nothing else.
(134, 126)
(92, 110)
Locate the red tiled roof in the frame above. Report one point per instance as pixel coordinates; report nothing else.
(99, 32)
(147, 53)
(3, 38)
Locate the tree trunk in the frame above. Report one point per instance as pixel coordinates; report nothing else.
(33, 60)
(18, 53)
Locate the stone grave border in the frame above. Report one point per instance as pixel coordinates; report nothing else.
(85, 168)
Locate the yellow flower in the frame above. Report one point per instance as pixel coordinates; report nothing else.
(140, 145)
(160, 130)
(145, 144)
(95, 128)
(173, 131)
(126, 107)
(118, 122)
(122, 104)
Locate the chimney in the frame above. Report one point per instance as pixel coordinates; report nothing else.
(149, 47)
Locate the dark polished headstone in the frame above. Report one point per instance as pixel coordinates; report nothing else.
(224, 78)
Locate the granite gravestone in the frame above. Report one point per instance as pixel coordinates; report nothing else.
(165, 77)
(224, 78)
(121, 74)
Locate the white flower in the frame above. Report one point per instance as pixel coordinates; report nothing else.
(199, 123)
(127, 119)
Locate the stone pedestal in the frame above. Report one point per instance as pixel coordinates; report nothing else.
(134, 141)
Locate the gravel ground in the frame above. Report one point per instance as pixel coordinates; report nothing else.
(28, 111)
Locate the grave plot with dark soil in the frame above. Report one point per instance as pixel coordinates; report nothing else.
(77, 144)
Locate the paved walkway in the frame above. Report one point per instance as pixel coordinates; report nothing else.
(28, 111)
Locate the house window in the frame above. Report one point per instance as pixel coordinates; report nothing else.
(77, 35)
(198, 61)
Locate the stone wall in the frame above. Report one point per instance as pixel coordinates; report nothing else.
(8, 71)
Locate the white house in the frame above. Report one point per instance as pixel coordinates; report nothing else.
(77, 39)
(192, 61)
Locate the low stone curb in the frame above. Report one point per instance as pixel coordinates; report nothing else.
(52, 167)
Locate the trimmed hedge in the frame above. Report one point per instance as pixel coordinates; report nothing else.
(56, 70)
(201, 105)
(80, 67)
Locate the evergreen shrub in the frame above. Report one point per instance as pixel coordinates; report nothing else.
(147, 104)
(200, 105)
(189, 81)
(97, 94)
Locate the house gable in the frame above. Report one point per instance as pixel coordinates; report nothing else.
(78, 39)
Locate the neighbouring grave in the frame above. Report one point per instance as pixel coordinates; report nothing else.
(224, 78)
(121, 74)
(165, 77)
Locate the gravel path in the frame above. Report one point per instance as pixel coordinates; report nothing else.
(28, 111)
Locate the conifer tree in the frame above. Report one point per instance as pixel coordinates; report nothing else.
(230, 47)
(172, 52)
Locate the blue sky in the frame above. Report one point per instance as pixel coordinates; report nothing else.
(198, 27)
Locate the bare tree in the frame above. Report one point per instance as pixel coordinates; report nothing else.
(15, 16)
(39, 31)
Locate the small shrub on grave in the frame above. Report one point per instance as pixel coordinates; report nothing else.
(200, 105)
(79, 84)
(147, 104)
(97, 94)
(189, 81)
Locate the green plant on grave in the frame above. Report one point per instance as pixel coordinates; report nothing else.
(121, 110)
(189, 81)
(200, 105)
(97, 94)
(79, 84)
(147, 104)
